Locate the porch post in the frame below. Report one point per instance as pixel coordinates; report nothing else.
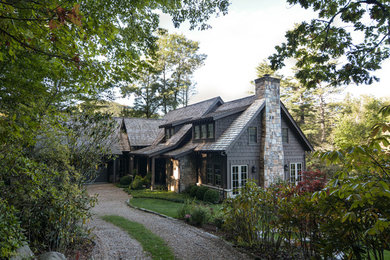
(114, 166)
(131, 165)
(153, 173)
(147, 165)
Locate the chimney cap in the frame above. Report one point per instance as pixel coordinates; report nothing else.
(268, 78)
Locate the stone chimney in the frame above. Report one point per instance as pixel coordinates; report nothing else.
(271, 155)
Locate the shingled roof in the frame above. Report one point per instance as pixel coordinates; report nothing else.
(185, 114)
(235, 130)
(170, 144)
(142, 131)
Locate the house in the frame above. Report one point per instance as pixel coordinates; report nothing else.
(223, 144)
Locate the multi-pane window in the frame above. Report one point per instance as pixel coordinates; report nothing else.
(285, 135)
(213, 174)
(169, 132)
(252, 135)
(204, 131)
(210, 130)
(196, 132)
(295, 172)
(210, 174)
(239, 177)
(217, 175)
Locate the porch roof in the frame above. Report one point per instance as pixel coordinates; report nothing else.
(141, 131)
(171, 143)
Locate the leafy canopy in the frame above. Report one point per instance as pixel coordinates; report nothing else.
(345, 44)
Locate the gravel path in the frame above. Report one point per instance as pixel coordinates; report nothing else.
(186, 241)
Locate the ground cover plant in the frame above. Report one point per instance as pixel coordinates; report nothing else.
(150, 242)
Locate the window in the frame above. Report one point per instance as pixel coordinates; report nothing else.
(217, 174)
(285, 135)
(196, 132)
(210, 130)
(210, 175)
(295, 172)
(204, 131)
(239, 177)
(213, 174)
(252, 135)
(168, 133)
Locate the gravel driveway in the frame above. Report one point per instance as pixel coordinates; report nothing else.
(187, 242)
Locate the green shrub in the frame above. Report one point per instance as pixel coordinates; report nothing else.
(146, 181)
(185, 209)
(211, 196)
(125, 180)
(200, 192)
(198, 216)
(11, 234)
(137, 183)
(193, 190)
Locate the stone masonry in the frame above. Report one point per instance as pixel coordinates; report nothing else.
(272, 150)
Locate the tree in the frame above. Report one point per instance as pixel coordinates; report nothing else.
(345, 44)
(54, 54)
(147, 99)
(355, 119)
(176, 59)
(165, 80)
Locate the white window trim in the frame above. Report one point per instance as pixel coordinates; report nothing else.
(239, 178)
(295, 173)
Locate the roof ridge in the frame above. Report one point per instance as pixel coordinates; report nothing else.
(204, 101)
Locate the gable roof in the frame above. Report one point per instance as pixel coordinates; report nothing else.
(142, 131)
(181, 116)
(231, 134)
(185, 114)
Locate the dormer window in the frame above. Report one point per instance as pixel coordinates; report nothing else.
(169, 132)
(204, 131)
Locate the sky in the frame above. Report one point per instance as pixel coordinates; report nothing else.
(240, 40)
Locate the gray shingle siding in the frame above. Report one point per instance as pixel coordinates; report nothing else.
(293, 150)
(243, 153)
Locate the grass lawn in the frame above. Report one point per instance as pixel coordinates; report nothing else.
(165, 207)
(149, 241)
(158, 194)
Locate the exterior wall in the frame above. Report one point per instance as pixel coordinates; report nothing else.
(244, 153)
(222, 124)
(293, 150)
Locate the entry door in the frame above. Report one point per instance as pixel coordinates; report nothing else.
(295, 173)
(239, 177)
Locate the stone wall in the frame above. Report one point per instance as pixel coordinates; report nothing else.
(188, 176)
(272, 147)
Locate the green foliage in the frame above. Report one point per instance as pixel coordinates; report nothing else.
(125, 180)
(11, 234)
(193, 190)
(200, 192)
(199, 216)
(137, 183)
(150, 242)
(347, 42)
(211, 196)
